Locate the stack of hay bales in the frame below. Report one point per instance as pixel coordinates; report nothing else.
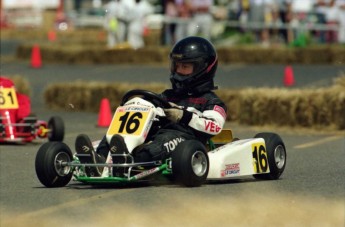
(324, 107)
(86, 96)
(316, 108)
(313, 108)
(65, 52)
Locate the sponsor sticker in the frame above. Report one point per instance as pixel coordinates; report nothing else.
(212, 127)
(231, 169)
(220, 110)
(137, 108)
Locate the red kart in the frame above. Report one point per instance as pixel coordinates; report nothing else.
(17, 124)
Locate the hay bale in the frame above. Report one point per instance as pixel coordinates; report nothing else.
(319, 108)
(86, 96)
(71, 52)
(314, 108)
(315, 55)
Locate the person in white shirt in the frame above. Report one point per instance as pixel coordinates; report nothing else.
(341, 15)
(332, 19)
(260, 14)
(140, 10)
(202, 18)
(116, 22)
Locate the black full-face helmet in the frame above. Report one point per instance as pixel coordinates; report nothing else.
(202, 54)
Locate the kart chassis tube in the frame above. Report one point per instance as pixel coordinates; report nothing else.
(138, 176)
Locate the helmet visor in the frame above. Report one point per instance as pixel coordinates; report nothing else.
(187, 68)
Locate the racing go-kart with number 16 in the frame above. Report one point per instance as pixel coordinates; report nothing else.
(191, 164)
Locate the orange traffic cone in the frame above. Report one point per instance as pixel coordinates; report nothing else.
(52, 36)
(104, 116)
(36, 61)
(289, 79)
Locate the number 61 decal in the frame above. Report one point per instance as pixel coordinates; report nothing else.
(260, 160)
(8, 98)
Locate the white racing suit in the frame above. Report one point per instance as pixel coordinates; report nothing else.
(204, 116)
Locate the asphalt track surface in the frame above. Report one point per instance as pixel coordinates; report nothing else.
(310, 192)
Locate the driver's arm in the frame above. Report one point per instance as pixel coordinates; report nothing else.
(209, 122)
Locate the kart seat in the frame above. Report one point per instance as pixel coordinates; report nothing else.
(225, 136)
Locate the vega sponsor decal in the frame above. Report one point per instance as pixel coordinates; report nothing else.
(211, 126)
(172, 144)
(231, 169)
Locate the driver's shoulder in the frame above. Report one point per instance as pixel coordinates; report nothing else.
(169, 94)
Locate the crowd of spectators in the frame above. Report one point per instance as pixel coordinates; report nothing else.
(267, 19)
(186, 18)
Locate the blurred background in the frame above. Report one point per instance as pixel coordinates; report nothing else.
(139, 23)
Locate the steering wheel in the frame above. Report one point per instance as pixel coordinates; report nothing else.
(156, 100)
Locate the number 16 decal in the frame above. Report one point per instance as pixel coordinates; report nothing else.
(260, 161)
(128, 122)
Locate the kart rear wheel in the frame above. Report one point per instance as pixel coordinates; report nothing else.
(276, 153)
(190, 163)
(50, 169)
(56, 129)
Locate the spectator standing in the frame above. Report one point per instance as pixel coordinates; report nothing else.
(341, 32)
(332, 20)
(244, 7)
(171, 14)
(184, 16)
(124, 17)
(116, 22)
(202, 18)
(260, 15)
(140, 10)
(285, 15)
(111, 23)
(320, 7)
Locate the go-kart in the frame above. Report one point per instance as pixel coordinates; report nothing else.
(14, 130)
(31, 129)
(191, 163)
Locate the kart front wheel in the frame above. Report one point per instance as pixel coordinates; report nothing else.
(50, 164)
(56, 129)
(190, 163)
(276, 153)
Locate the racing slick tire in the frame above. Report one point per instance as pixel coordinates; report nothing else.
(49, 164)
(276, 153)
(190, 163)
(56, 129)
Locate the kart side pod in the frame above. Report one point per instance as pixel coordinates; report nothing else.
(238, 158)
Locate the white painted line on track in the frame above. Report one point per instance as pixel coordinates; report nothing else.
(321, 141)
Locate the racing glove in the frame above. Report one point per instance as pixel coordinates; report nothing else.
(174, 114)
(178, 114)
